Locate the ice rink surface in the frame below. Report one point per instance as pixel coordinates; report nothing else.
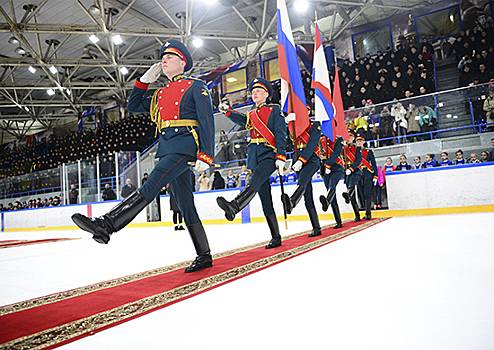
(407, 283)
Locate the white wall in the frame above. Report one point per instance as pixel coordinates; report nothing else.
(58, 216)
(453, 186)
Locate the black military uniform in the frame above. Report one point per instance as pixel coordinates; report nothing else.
(307, 146)
(332, 172)
(183, 113)
(268, 143)
(369, 177)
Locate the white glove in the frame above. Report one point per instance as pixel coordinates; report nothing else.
(152, 74)
(348, 172)
(327, 171)
(290, 117)
(201, 166)
(224, 106)
(280, 165)
(297, 166)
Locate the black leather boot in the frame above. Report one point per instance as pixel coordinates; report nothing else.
(348, 195)
(116, 219)
(336, 213)
(232, 208)
(275, 232)
(314, 220)
(325, 201)
(355, 207)
(291, 202)
(200, 240)
(368, 215)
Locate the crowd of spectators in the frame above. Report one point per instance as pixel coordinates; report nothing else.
(474, 51)
(380, 125)
(129, 134)
(393, 74)
(32, 203)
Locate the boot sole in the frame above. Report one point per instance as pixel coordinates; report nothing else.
(324, 203)
(205, 266)
(85, 224)
(223, 204)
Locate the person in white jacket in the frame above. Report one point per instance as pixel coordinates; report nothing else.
(400, 124)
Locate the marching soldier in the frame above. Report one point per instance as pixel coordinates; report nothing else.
(183, 113)
(353, 157)
(265, 154)
(369, 175)
(306, 166)
(332, 172)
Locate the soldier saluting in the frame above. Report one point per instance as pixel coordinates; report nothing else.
(183, 113)
(265, 154)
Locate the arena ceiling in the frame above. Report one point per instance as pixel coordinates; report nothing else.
(39, 35)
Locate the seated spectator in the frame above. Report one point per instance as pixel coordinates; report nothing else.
(489, 108)
(386, 129)
(108, 193)
(491, 156)
(445, 159)
(427, 119)
(403, 164)
(218, 181)
(128, 188)
(430, 162)
(473, 159)
(400, 123)
(484, 157)
(203, 182)
(413, 126)
(388, 166)
(417, 163)
(231, 180)
(459, 157)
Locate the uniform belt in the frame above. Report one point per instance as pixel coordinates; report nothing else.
(174, 123)
(258, 140)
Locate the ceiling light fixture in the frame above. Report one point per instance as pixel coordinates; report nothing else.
(197, 42)
(93, 38)
(124, 70)
(117, 39)
(32, 69)
(20, 51)
(53, 70)
(50, 92)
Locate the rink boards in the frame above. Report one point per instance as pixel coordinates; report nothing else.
(466, 188)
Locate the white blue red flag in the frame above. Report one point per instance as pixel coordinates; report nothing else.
(292, 89)
(323, 102)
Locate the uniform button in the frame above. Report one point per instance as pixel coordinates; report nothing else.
(167, 85)
(161, 91)
(190, 82)
(175, 117)
(182, 90)
(176, 130)
(270, 109)
(160, 96)
(161, 107)
(176, 103)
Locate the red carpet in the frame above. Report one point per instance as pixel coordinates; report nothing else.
(63, 317)
(17, 243)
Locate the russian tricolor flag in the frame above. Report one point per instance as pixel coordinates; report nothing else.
(292, 89)
(323, 106)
